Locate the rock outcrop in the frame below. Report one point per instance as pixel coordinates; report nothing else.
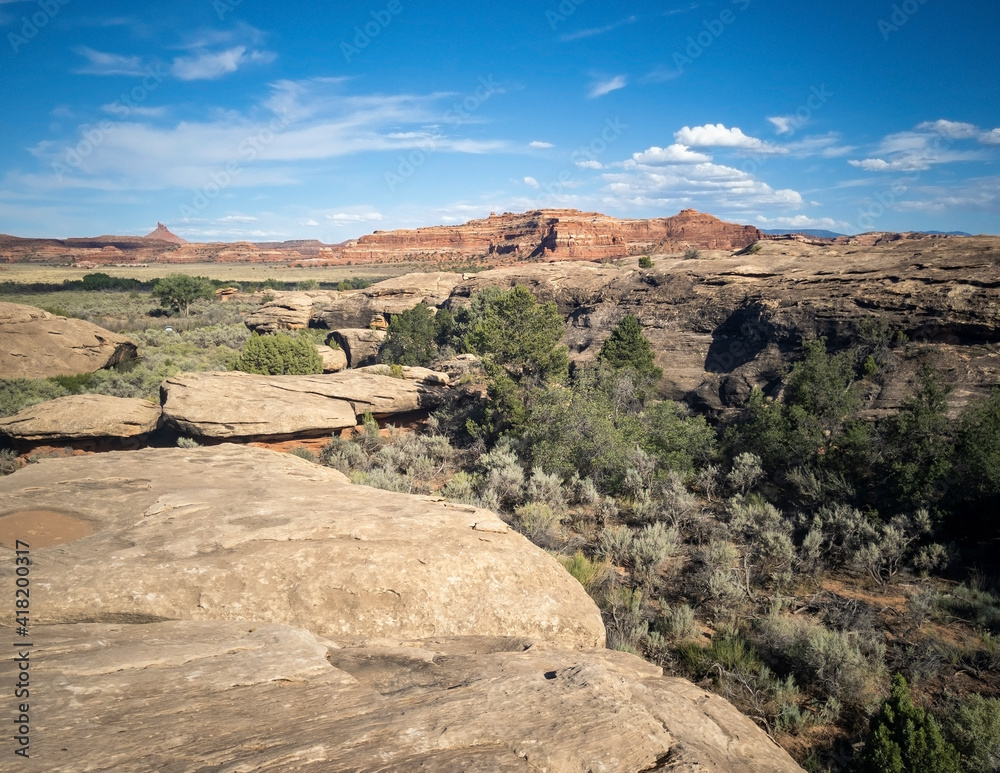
(36, 344)
(360, 345)
(388, 632)
(245, 406)
(236, 533)
(351, 309)
(82, 417)
(334, 360)
(127, 697)
(725, 324)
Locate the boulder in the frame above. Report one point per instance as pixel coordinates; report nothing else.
(244, 405)
(82, 417)
(288, 311)
(361, 345)
(264, 698)
(359, 308)
(36, 344)
(236, 533)
(333, 359)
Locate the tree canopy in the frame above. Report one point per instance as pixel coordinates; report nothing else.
(178, 291)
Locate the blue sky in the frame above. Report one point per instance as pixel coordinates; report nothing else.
(243, 119)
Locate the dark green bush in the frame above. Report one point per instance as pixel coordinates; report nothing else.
(904, 738)
(279, 354)
(628, 348)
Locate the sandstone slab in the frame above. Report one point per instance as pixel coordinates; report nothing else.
(361, 345)
(263, 698)
(82, 417)
(36, 344)
(244, 405)
(236, 533)
(334, 360)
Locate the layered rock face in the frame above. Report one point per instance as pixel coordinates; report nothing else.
(243, 405)
(240, 609)
(553, 234)
(36, 344)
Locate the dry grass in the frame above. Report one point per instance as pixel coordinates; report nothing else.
(228, 272)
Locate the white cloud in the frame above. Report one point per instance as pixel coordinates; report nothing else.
(301, 121)
(673, 154)
(990, 137)
(661, 75)
(804, 221)
(237, 219)
(591, 164)
(539, 144)
(932, 144)
(208, 66)
(115, 108)
(783, 124)
(601, 88)
(531, 182)
(952, 129)
(309, 223)
(718, 136)
(101, 63)
(589, 33)
(344, 218)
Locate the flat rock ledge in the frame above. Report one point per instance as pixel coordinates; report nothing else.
(82, 417)
(236, 533)
(243, 405)
(259, 698)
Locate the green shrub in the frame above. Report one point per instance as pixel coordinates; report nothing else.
(186, 442)
(8, 461)
(588, 573)
(691, 253)
(279, 354)
(627, 347)
(645, 262)
(16, 394)
(903, 738)
(973, 727)
(305, 453)
(411, 338)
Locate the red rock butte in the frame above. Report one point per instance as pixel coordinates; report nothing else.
(552, 234)
(163, 234)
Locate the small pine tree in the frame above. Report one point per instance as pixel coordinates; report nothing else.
(627, 347)
(279, 355)
(904, 738)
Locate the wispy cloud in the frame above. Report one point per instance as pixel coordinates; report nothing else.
(540, 144)
(531, 182)
(589, 33)
(209, 66)
(661, 75)
(102, 63)
(932, 143)
(603, 87)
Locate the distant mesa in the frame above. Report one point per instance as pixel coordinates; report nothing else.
(163, 234)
